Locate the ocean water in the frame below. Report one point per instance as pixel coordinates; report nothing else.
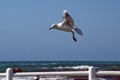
(35, 66)
(38, 66)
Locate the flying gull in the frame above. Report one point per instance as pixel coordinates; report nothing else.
(67, 25)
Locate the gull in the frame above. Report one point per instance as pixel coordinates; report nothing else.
(67, 25)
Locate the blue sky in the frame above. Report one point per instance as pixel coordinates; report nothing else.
(25, 35)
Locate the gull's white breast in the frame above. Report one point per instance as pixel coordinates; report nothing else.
(64, 27)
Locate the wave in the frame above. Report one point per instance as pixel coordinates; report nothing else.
(35, 66)
(72, 67)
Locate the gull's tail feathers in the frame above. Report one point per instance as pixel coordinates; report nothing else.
(78, 31)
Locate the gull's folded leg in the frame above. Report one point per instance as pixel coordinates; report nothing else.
(74, 37)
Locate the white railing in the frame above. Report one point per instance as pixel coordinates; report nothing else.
(91, 73)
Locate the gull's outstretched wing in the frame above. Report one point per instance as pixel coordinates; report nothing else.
(67, 18)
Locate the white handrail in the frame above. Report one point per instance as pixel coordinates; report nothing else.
(108, 73)
(64, 73)
(91, 73)
(61, 73)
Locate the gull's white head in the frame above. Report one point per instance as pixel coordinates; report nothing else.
(53, 26)
(65, 11)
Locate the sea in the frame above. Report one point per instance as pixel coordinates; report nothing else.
(41, 66)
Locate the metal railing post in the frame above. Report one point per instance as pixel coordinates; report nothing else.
(91, 75)
(9, 74)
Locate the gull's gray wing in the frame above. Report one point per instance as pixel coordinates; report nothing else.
(67, 18)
